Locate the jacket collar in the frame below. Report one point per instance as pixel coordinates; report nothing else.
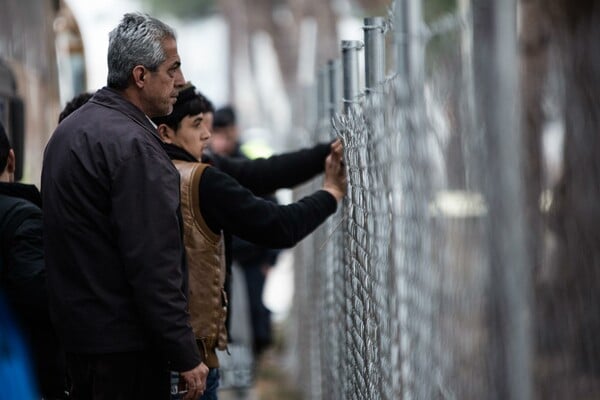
(113, 99)
(177, 153)
(22, 191)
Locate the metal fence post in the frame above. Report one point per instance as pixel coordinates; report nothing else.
(374, 52)
(410, 54)
(322, 94)
(324, 103)
(335, 94)
(350, 50)
(495, 60)
(409, 200)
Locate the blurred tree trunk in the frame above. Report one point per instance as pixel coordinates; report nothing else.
(281, 21)
(328, 46)
(374, 5)
(534, 47)
(576, 28)
(235, 13)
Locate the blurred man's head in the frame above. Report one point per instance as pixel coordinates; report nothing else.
(7, 158)
(144, 64)
(188, 126)
(225, 132)
(75, 103)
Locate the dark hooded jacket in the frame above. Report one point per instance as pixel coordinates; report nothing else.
(23, 282)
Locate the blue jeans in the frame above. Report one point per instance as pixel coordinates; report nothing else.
(212, 384)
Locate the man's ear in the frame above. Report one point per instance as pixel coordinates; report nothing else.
(139, 75)
(165, 133)
(11, 162)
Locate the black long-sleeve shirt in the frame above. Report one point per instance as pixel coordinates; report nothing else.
(266, 175)
(227, 204)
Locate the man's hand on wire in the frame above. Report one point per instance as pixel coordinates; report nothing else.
(335, 171)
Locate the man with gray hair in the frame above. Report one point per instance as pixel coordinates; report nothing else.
(117, 277)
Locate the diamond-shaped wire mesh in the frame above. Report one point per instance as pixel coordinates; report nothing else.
(418, 287)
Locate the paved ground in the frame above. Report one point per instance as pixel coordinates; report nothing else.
(272, 383)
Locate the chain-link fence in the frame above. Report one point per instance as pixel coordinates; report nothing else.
(423, 285)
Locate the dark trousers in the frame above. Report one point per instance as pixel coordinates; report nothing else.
(260, 316)
(118, 376)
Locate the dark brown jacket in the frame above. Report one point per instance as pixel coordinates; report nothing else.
(117, 279)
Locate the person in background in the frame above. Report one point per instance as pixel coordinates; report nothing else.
(74, 104)
(226, 135)
(23, 273)
(254, 260)
(261, 176)
(117, 275)
(213, 202)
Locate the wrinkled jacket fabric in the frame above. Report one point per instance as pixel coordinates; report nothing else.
(116, 269)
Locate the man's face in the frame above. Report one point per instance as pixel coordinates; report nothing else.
(161, 86)
(192, 134)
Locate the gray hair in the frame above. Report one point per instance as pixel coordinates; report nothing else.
(137, 40)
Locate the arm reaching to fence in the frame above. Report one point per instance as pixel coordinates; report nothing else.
(335, 172)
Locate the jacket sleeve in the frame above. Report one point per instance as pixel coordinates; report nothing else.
(145, 203)
(227, 205)
(25, 274)
(265, 175)
(25, 256)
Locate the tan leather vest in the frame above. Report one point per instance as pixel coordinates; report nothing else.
(206, 264)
